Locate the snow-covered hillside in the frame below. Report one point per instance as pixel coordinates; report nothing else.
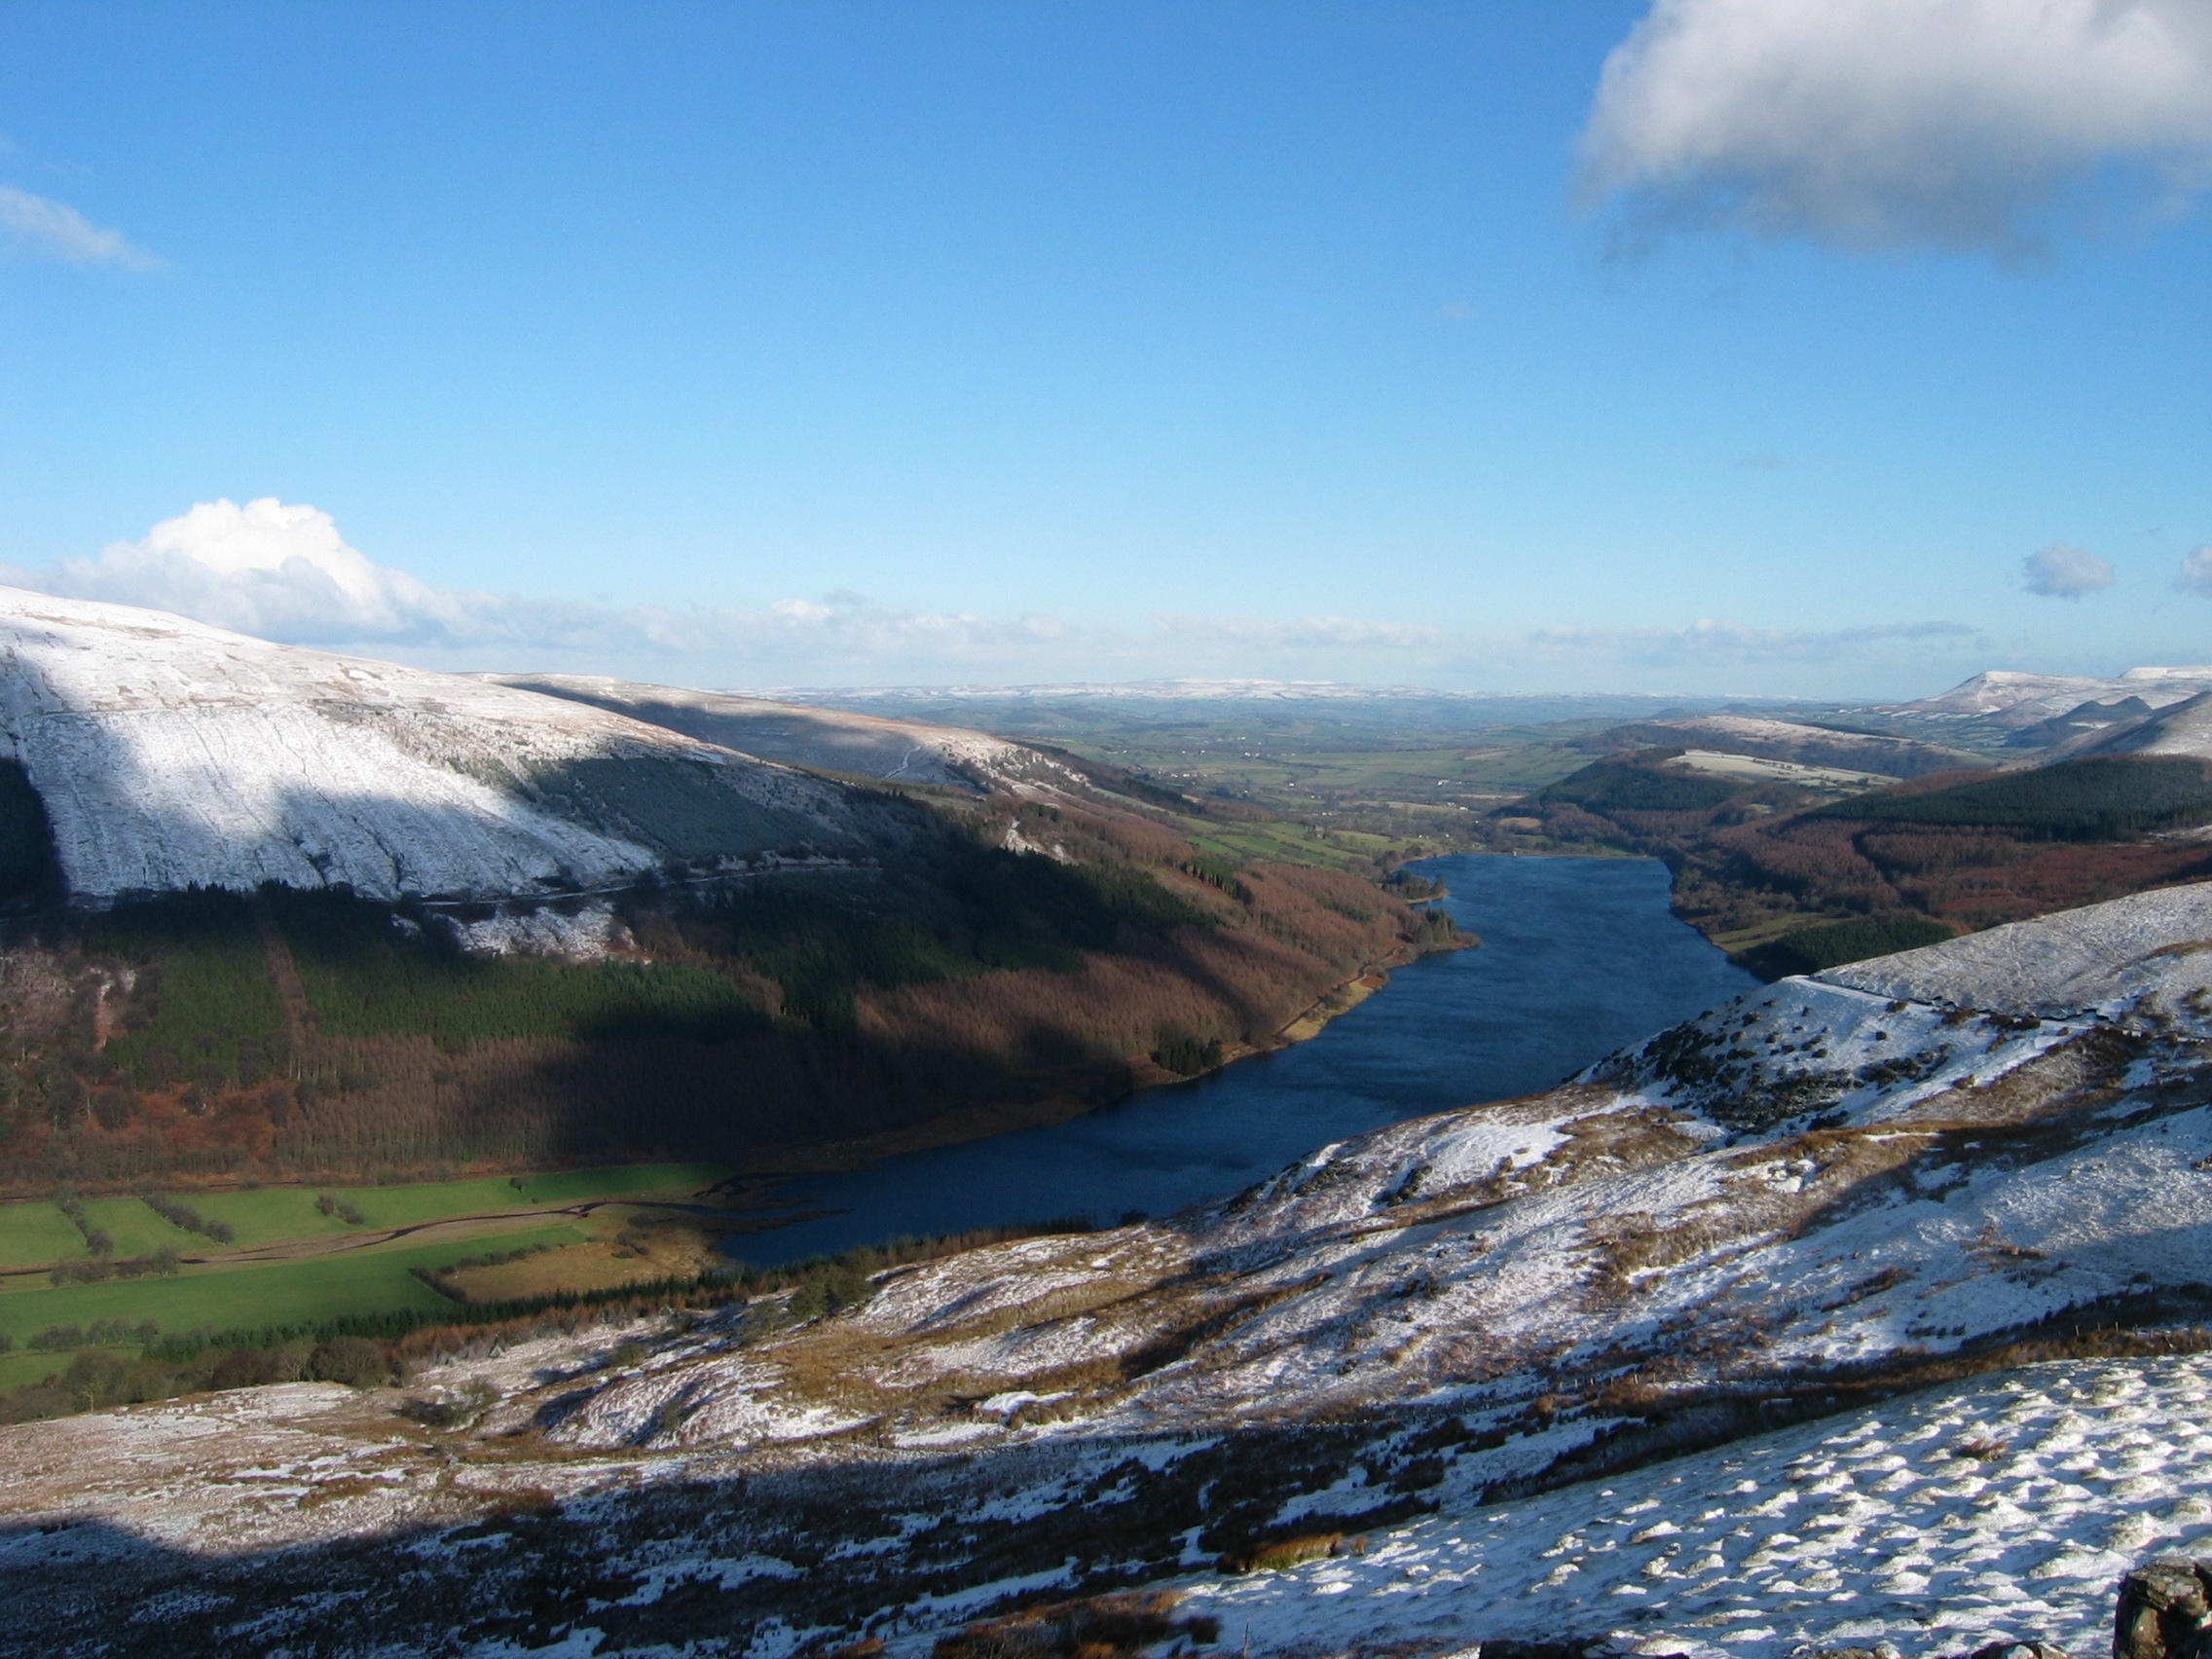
(1806, 1203)
(1795, 742)
(801, 735)
(2182, 729)
(1999, 1511)
(167, 752)
(2007, 697)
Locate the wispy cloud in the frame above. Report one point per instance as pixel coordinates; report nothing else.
(2195, 571)
(1885, 124)
(284, 571)
(2063, 571)
(1720, 640)
(42, 228)
(1303, 633)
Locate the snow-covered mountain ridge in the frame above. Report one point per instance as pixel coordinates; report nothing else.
(168, 753)
(2010, 697)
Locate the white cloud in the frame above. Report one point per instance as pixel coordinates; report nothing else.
(282, 572)
(2064, 571)
(53, 230)
(1881, 123)
(2195, 571)
(268, 569)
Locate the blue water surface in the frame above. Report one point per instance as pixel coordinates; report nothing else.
(1579, 957)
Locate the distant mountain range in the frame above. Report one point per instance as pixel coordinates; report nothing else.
(2000, 691)
(2041, 710)
(1267, 703)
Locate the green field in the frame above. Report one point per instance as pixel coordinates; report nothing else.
(1282, 843)
(138, 1230)
(18, 1370)
(370, 1280)
(220, 1295)
(38, 1233)
(34, 1231)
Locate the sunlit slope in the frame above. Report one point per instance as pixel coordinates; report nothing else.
(1830, 1177)
(802, 735)
(167, 753)
(1481, 1343)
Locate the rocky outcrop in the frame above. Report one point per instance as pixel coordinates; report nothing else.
(2165, 1606)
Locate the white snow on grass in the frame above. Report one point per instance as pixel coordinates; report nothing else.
(2005, 1508)
(169, 752)
(2098, 957)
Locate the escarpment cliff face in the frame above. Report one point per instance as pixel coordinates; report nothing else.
(1437, 1372)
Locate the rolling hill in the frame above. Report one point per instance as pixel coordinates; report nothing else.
(271, 911)
(822, 739)
(166, 755)
(1788, 739)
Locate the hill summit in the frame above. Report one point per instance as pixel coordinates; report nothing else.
(165, 753)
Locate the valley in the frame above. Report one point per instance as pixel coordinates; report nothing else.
(681, 1210)
(1105, 831)
(1909, 1251)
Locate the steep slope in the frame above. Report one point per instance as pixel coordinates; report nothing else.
(167, 753)
(1804, 1202)
(802, 735)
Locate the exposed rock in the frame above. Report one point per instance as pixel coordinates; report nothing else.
(2014, 1650)
(2164, 1607)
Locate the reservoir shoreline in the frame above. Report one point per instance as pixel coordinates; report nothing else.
(1579, 956)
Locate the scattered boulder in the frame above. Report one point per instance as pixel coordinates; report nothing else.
(2164, 1607)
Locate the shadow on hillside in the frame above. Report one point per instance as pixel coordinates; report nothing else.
(651, 1567)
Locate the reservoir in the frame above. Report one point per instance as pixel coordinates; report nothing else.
(1579, 957)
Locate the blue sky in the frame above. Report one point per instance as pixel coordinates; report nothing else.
(841, 343)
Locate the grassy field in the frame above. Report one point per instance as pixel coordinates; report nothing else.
(34, 1232)
(1295, 773)
(38, 1233)
(136, 1229)
(219, 1295)
(369, 1280)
